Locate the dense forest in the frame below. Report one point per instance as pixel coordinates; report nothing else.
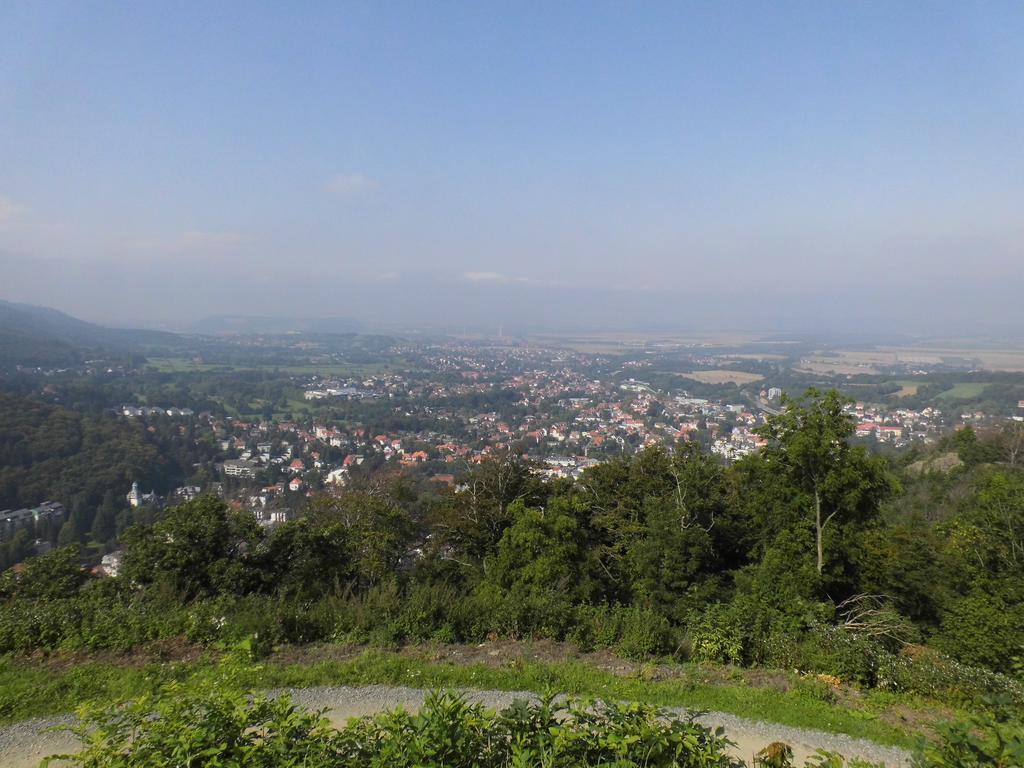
(812, 554)
(85, 462)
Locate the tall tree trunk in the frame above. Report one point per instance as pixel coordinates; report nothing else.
(818, 530)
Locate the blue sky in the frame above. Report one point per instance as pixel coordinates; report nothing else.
(336, 157)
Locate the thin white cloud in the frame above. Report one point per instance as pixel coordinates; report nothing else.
(486, 277)
(498, 278)
(352, 185)
(10, 211)
(190, 241)
(493, 277)
(199, 239)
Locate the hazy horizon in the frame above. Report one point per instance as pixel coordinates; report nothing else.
(793, 167)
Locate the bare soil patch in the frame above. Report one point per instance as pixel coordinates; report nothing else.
(157, 652)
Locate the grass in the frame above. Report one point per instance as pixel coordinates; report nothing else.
(345, 369)
(907, 388)
(184, 364)
(31, 688)
(963, 391)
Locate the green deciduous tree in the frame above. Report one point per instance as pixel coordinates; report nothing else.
(470, 521)
(544, 550)
(198, 548)
(988, 536)
(809, 446)
(307, 559)
(378, 531)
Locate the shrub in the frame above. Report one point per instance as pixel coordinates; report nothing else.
(632, 631)
(425, 611)
(995, 740)
(927, 673)
(719, 634)
(209, 725)
(470, 617)
(216, 724)
(835, 651)
(53, 575)
(918, 670)
(983, 629)
(524, 611)
(101, 617)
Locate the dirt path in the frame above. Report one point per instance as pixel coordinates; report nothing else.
(23, 745)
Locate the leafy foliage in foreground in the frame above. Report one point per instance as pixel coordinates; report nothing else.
(994, 739)
(215, 725)
(38, 688)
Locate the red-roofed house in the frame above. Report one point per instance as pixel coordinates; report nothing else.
(890, 433)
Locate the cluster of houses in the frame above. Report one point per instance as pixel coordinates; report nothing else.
(137, 411)
(337, 392)
(11, 520)
(566, 419)
(565, 410)
(896, 426)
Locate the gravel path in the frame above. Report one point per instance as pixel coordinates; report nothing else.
(24, 744)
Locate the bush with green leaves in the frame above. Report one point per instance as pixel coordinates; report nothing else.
(927, 673)
(835, 651)
(992, 739)
(780, 755)
(720, 634)
(104, 616)
(54, 575)
(632, 631)
(216, 723)
(210, 725)
(984, 627)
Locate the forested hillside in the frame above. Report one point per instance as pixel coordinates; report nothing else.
(85, 462)
(40, 336)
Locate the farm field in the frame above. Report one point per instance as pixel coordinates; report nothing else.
(185, 365)
(991, 359)
(836, 366)
(851, 362)
(723, 377)
(619, 343)
(753, 356)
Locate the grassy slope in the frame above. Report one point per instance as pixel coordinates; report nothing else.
(30, 688)
(963, 391)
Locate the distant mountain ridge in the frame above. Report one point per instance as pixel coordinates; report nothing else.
(45, 322)
(218, 325)
(33, 335)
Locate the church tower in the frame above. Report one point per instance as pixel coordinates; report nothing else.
(134, 497)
